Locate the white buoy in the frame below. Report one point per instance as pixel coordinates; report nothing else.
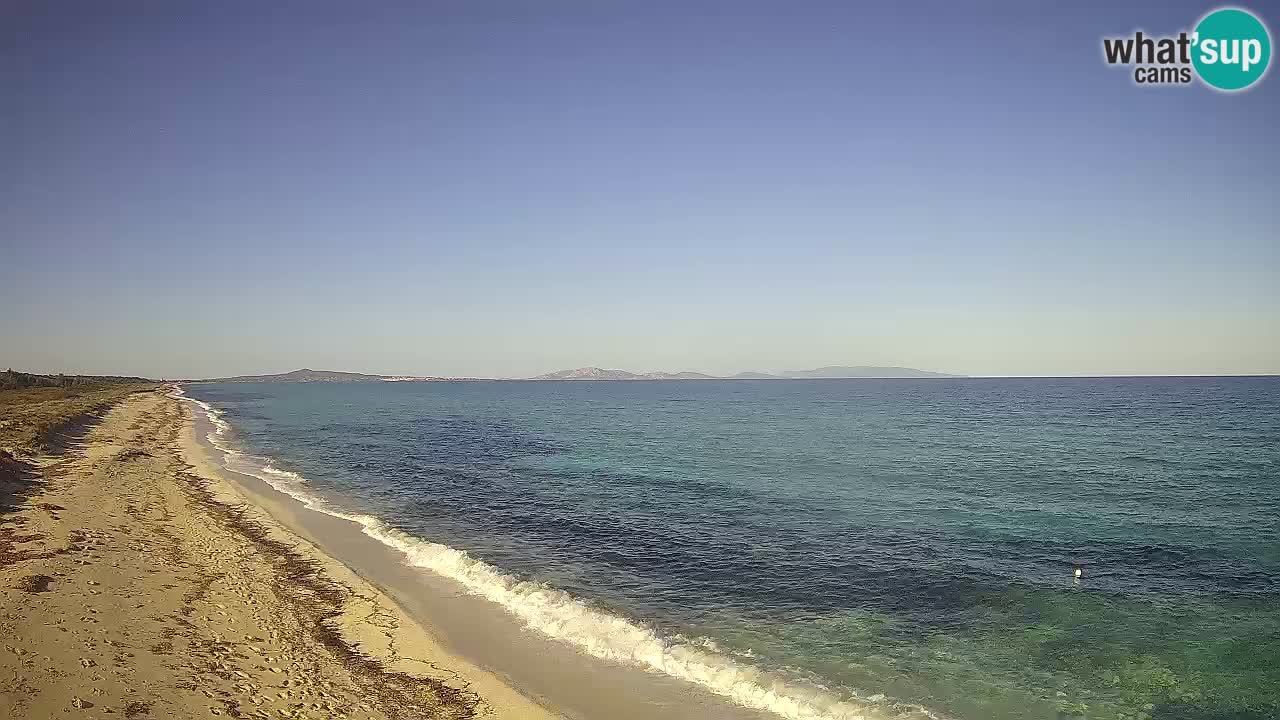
(1078, 573)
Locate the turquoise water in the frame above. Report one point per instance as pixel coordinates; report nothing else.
(898, 544)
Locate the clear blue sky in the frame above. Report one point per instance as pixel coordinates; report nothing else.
(507, 188)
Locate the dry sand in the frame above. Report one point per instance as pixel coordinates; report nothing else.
(135, 582)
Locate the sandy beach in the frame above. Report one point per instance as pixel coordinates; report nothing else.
(136, 582)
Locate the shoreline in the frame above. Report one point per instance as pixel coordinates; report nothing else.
(479, 632)
(135, 582)
(393, 640)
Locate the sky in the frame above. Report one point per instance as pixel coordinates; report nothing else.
(509, 188)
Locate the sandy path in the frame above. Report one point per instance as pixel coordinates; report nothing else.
(127, 591)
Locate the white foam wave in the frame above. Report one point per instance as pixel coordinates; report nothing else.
(560, 615)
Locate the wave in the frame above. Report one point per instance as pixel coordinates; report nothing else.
(560, 615)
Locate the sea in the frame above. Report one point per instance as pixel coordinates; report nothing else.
(972, 549)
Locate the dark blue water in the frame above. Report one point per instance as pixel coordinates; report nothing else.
(914, 539)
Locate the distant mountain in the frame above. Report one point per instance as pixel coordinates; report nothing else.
(589, 373)
(686, 375)
(860, 371)
(864, 371)
(309, 375)
(303, 375)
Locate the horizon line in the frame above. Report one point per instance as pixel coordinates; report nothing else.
(534, 378)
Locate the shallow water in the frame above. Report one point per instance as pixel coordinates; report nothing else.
(829, 548)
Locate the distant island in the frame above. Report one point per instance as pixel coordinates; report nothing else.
(595, 373)
(303, 375)
(309, 375)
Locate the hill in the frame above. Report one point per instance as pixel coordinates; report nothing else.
(303, 375)
(685, 375)
(589, 373)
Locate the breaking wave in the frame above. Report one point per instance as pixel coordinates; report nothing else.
(559, 615)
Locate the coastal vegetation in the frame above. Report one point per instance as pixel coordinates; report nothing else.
(34, 409)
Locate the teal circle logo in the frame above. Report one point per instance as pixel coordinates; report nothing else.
(1232, 49)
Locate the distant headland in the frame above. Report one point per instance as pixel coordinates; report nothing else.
(595, 373)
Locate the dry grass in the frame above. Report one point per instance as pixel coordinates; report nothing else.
(31, 418)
